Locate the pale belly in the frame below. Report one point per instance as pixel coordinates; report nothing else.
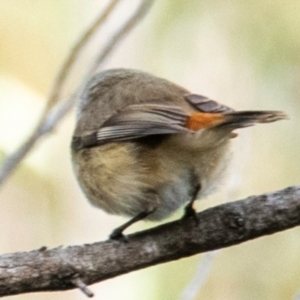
(121, 179)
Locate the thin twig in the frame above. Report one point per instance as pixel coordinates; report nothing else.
(82, 286)
(200, 277)
(139, 14)
(50, 119)
(77, 49)
(55, 111)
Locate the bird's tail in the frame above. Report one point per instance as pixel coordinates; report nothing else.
(242, 119)
(234, 120)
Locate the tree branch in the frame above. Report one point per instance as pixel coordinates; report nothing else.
(218, 227)
(56, 107)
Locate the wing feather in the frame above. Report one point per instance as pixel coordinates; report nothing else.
(136, 121)
(205, 104)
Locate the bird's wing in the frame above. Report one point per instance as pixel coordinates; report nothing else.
(206, 105)
(136, 121)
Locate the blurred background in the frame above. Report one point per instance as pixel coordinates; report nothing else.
(244, 54)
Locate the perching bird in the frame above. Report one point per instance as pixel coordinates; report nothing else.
(143, 146)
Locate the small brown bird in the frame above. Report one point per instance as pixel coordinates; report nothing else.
(144, 146)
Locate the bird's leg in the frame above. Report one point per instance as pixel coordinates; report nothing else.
(117, 233)
(189, 210)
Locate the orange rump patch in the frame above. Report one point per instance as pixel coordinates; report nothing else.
(199, 120)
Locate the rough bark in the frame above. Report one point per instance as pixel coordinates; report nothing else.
(218, 227)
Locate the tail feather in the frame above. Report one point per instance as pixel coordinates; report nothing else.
(232, 120)
(242, 119)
